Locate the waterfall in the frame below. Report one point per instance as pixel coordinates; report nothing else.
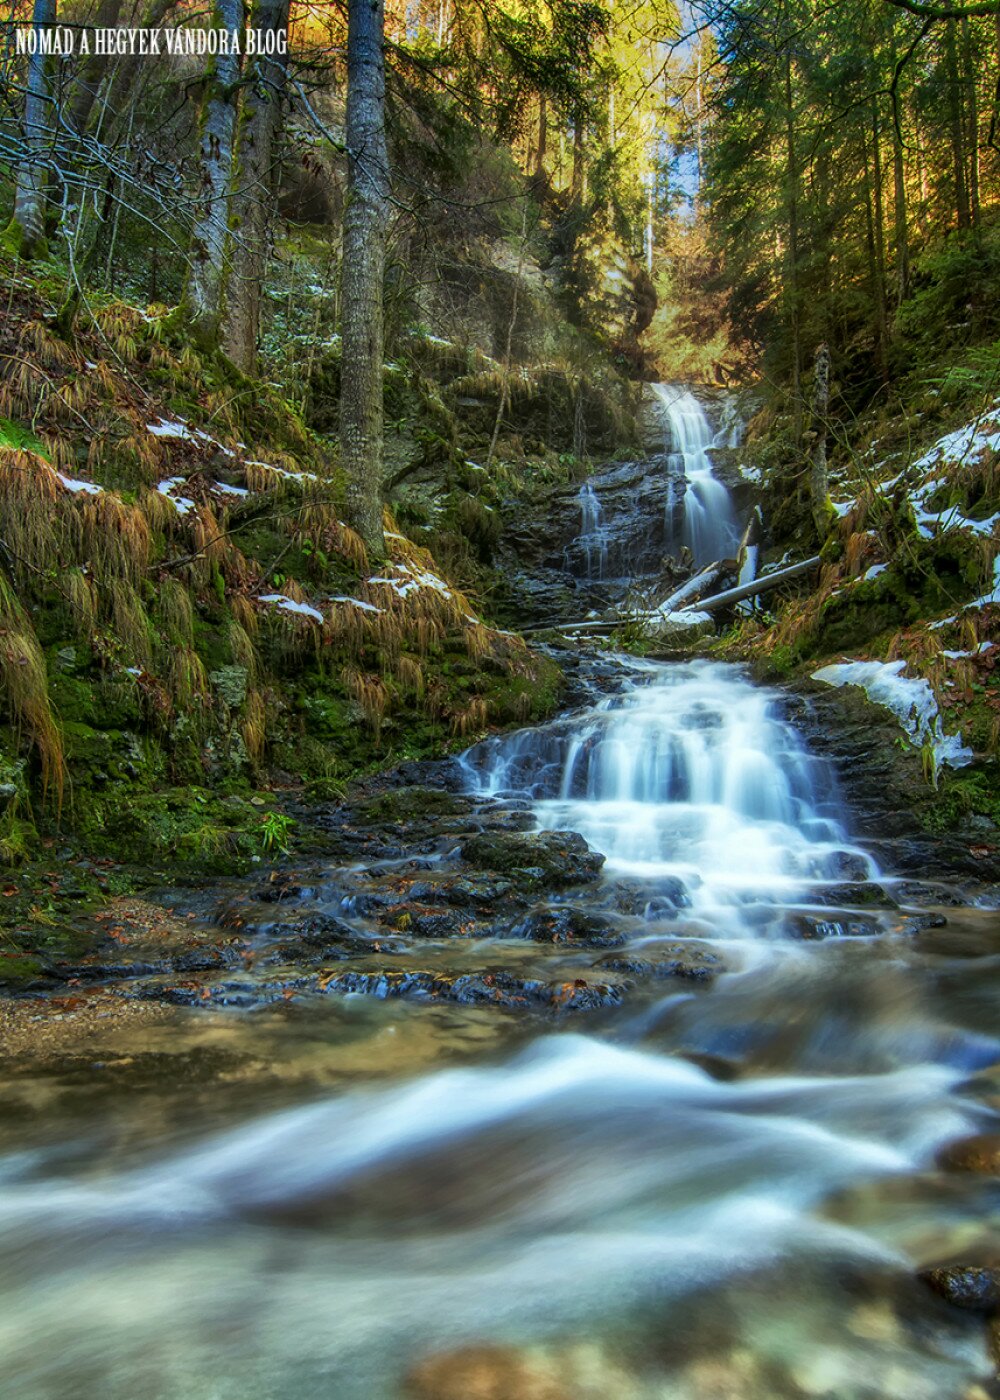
(689, 779)
(593, 537)
(709, 527)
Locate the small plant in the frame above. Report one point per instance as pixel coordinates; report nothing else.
(275, 831)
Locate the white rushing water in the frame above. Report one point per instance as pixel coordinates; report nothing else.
(709, 526)
(593, 537)
(688, 774)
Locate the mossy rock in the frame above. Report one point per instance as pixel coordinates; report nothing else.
(547, 858)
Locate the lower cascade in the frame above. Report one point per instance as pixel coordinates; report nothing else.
(687, 776)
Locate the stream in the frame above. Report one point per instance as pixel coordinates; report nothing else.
(714, 1180)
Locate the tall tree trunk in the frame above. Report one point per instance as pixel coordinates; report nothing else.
(254, 189)
(792, 216)
(818, 480)
(211, 227)
(871, 247)
(957, 124)
(366, 219)
(972, 120)
(92, 70)
(26, 231)
(576, 182)
(901, 232)
(543, 138)
(880, 277)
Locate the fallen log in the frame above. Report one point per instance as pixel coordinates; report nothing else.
(763, 584)
(693, 587)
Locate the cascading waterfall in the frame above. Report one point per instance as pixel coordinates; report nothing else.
(709, 527)
(593, 537)
(688, 779)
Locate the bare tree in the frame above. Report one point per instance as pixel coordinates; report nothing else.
(26, 231)
(366, 219)
(211, 227)
(253, 197)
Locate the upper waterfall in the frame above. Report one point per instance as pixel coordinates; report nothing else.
(708, 522)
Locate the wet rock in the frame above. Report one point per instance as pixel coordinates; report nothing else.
(979, 1153)
(568, 925)
(317, 930)
(974, 1288)
(864, 892)
(493, 987)
(465, 892)
(278, 888)
(690, 960)
(917, 892)
(484, 1373)
(549, 858)
(919, 923)
(811, 929)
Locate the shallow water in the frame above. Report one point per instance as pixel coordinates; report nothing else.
(707, 1192)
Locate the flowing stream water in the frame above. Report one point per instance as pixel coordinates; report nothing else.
(707, 1193)
(709, 527)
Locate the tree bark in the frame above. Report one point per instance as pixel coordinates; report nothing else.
(899, 186)
(762, 584)
(819, 486)
(792, 215)
(879, 231)
(366, 219)
(972, 120)
(957, 124)
(254, 190)
(26, 231)
(211, 226)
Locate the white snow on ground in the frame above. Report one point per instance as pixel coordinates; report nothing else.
(414, 578)
(355, 603)
(957, 655)
(873, 572)
(228, 490)
(286, 604)
(182, 504)
(72, 484)
(289, 476)
(171, 428)
(909, 698)
(963, 447)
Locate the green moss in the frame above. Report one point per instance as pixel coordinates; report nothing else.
(973, 792)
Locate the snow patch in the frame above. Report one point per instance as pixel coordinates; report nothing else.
(289, 605)
(71, 483)
(182, 504)
(909, 698)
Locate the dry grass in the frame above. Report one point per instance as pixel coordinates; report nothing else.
(253, 726)
(473, 719)
(32, 522)
(24, 684)
(129, 622)
(115, 537)
(175, 613)
(370, 695)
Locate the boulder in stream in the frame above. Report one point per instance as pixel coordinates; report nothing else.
(548, 858)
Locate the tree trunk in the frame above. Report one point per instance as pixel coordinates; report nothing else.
(879, 232)
(819, 486)
(899, 187)
(211, 227)
(254, 190)
(792, 215)
(957, 124)
(366, 219)
(972, 120)
(576, 185)
(543, 138)
(26, 231)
